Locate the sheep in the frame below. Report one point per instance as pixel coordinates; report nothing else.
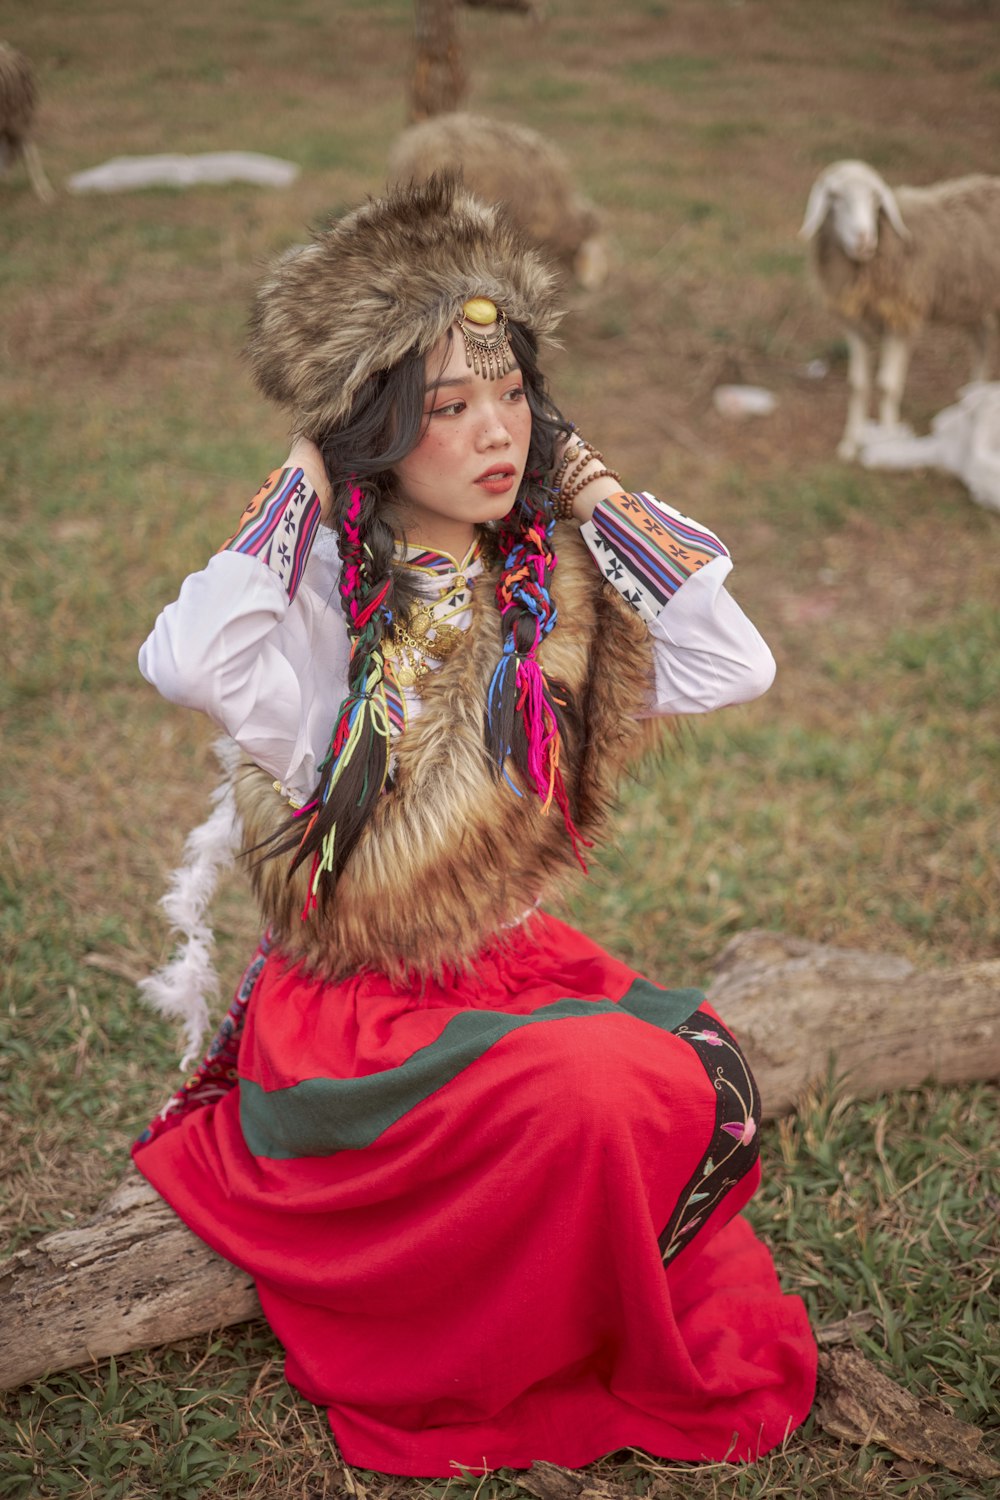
(18, 97)
(514, 165)
(888, 261)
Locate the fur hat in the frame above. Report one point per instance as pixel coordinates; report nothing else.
(388, 278)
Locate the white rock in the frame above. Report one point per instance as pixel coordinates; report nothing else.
(125, 174)
(744, 400)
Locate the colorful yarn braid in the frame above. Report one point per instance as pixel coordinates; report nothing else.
(356, 765)
(518, 690)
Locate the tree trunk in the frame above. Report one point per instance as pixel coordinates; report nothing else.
(136, 1277)
(438, 76)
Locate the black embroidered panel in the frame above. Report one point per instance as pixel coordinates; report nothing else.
(734, 1146)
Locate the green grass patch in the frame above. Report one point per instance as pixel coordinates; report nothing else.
(680, 73)
(777, 261)
(822, 502)
(728, 134)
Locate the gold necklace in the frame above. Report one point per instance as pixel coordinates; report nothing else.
(411, 648)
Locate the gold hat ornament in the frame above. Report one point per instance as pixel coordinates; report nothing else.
(489, 355)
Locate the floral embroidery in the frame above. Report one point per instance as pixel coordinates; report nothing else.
(734, 1147)
(744, 1134)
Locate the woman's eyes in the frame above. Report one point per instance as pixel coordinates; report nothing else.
(455, 408)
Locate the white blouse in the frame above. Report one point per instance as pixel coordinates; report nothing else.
(271, 670)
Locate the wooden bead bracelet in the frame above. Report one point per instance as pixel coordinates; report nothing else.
(569, 477)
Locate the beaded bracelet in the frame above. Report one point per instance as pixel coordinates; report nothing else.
(573, 455)
(566, 479)
(560, 468)
(564, 505)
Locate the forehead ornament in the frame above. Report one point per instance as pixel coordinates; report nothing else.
(489, 355)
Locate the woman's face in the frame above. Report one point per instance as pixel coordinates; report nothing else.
(469, 461)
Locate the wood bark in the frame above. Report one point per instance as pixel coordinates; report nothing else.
(136, 1277)
(854, 1400)
(522, 7)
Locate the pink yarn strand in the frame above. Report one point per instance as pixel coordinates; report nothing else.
(541, 731)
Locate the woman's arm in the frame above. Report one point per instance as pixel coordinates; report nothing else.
(255, 639)
(672, 571)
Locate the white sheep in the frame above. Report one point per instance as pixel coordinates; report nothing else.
(513, 165)
(18, 98)
(890, 260)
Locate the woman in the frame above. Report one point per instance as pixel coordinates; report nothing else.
(486, 1177)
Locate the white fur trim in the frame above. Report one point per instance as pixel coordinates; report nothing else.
(180, 990)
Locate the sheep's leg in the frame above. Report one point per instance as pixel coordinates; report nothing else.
(892, 369)
(984, 347)
(36, 172)
(859, 384)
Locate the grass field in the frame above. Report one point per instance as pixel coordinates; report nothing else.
(855, 804)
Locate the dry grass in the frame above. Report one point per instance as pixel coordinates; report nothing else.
(856, 803)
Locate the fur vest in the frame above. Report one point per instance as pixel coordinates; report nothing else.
(452, 855)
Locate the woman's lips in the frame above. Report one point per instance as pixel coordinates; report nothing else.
(497, 481)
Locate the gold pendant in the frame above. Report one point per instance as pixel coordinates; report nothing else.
(447, 639)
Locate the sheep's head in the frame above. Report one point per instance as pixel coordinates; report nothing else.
(851, 195)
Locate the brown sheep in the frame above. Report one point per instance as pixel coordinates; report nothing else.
(18, 97)
(513, 165)
(890, 260)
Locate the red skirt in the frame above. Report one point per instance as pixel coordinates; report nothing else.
(495, 1220)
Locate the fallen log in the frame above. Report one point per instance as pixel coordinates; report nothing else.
(136, 1277)
(132, 1278)
(799, 1008)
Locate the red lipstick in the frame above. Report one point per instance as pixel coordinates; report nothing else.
(497, 480)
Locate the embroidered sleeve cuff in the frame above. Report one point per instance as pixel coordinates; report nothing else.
(279, 526)
(646, 549)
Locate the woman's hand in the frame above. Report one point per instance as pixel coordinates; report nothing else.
(305, 455)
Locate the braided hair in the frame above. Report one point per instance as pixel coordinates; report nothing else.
(383, 426)
(524, 714)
